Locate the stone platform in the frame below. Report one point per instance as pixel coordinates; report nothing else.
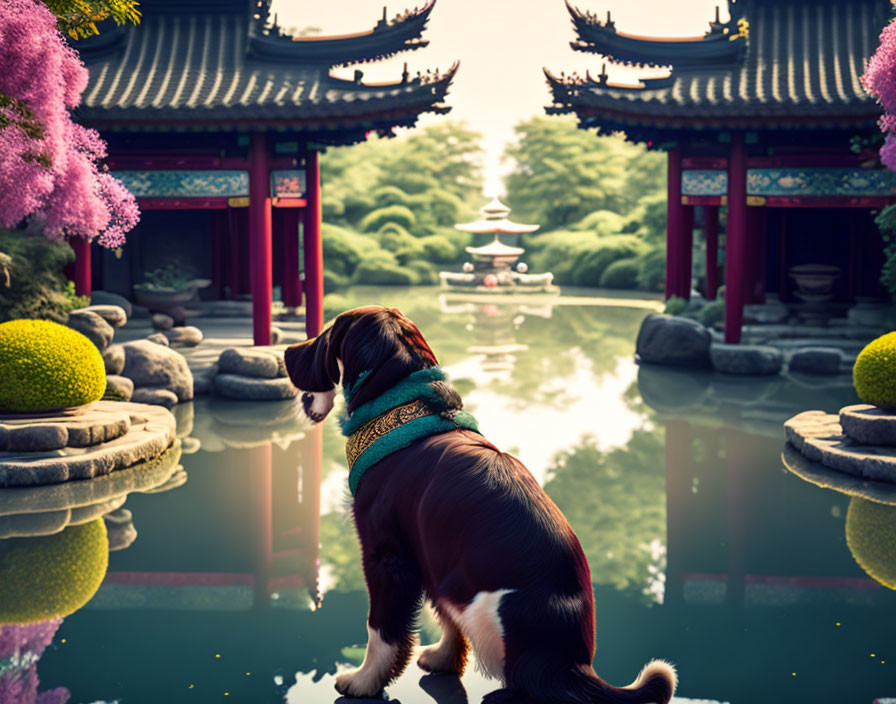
(106, 437)
(820, 437)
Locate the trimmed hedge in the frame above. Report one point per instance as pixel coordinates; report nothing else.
(621, 274)
(398, 214)
(874, 373)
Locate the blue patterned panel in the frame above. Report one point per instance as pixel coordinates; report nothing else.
(704, 182)
(185, 184)
(288, 183)
(821, 182)
(806, 182)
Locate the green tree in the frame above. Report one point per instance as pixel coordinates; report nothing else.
(78, 18)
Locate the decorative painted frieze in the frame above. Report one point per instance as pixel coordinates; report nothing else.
(185, 184)
(806, 182)
(288, 183)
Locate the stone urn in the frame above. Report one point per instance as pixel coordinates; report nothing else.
(814, 282)
(161, 299)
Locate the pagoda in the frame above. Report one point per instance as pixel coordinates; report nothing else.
(215, 118)
(492, 268)
(763, 114)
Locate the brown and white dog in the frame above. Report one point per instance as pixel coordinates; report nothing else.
(455, 519)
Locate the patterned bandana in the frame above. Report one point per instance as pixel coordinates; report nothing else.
(418, 406)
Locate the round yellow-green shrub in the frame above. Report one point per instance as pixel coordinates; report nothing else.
(52, 576)
(874, 373)
(871, 537)
(46, 366)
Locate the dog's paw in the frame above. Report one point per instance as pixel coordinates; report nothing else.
(358, 683)
(436, 658)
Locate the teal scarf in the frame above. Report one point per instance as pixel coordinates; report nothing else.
(410, 410)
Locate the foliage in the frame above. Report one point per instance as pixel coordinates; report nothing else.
(652, 269)
(46, 366)
(871, 537)
(874, 373)
(166, 278)
(397, 214)
(880, 81)
(52, 576)
(334, 304)
(562, 173)
(438, 248)
(713, 313)
(426, 274)
(32, 283)
(48, 163)
(621, 274)
(616, 503)
(344, 249)
(886, 223)
(380, 271)
(78, 18)
(675, 305)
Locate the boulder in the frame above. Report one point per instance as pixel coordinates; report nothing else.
(114, 315)
(185, 336)
(159, 339)
(666, 339)
(817, 360)
(120, 386)
(160, 321)
(92, 326)
(149, 364)
(752, 360)
(868, 425)
(107, 298)
(253, 388)
(254, 362)
(204, 379)
(113, 358)
(155, 396)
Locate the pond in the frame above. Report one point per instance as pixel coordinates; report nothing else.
(244, 582)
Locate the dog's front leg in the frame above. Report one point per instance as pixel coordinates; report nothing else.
(395, 588)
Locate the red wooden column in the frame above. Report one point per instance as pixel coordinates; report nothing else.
(736, 241)
(292, 287)
(313, 246)
(260, 238)
(673, 223)
(686, 256)
(83, 273)
(711, 235)
(679, 474)
(260, 465)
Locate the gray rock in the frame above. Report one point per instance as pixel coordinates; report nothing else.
(869, 425)
(120, 529)
(114, 315)
(149, 364)
(113, 358)
(203, 380)
(121, 386)
(253, 388)
(817, 360)
(92, 326)
(185, 336)
(816, 473)
(152, 431)
(155, 396)
(818, 436)
(767, 313)
(159, 339)
(755, 360)
(276, 335)
(160, 321)
(666, 339)
(103, 298)
(53, 432)
(261, 363)
(36, 524)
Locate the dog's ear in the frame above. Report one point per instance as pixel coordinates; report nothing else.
(312, 364)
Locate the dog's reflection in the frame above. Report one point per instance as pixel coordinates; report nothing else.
(443, 687)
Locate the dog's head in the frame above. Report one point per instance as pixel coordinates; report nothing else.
(382, 344)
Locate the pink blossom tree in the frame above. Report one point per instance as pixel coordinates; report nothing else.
(48, 163)
(880, 81)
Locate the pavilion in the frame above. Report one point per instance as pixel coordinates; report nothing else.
(215, 118)
(765, 115)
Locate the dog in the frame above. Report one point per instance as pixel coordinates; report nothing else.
(449, 516)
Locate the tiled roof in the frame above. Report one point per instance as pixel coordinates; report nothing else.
(177, 68)
(802, 65)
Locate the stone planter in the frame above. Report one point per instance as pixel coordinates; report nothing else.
(164, 299)
(814, 282)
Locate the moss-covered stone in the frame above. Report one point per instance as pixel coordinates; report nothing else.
(46, 366)
(52, 576)
(874, 373)
(871, 537)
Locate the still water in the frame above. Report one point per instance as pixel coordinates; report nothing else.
(244, 581)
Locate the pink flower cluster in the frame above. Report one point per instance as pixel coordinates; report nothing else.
(880, 81)
(48, 163)
(20, 649)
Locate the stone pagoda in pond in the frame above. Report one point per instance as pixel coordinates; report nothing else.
(494, 267)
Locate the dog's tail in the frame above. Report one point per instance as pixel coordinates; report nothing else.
(581, 685)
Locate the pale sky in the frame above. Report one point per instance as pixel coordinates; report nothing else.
(502, 46)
